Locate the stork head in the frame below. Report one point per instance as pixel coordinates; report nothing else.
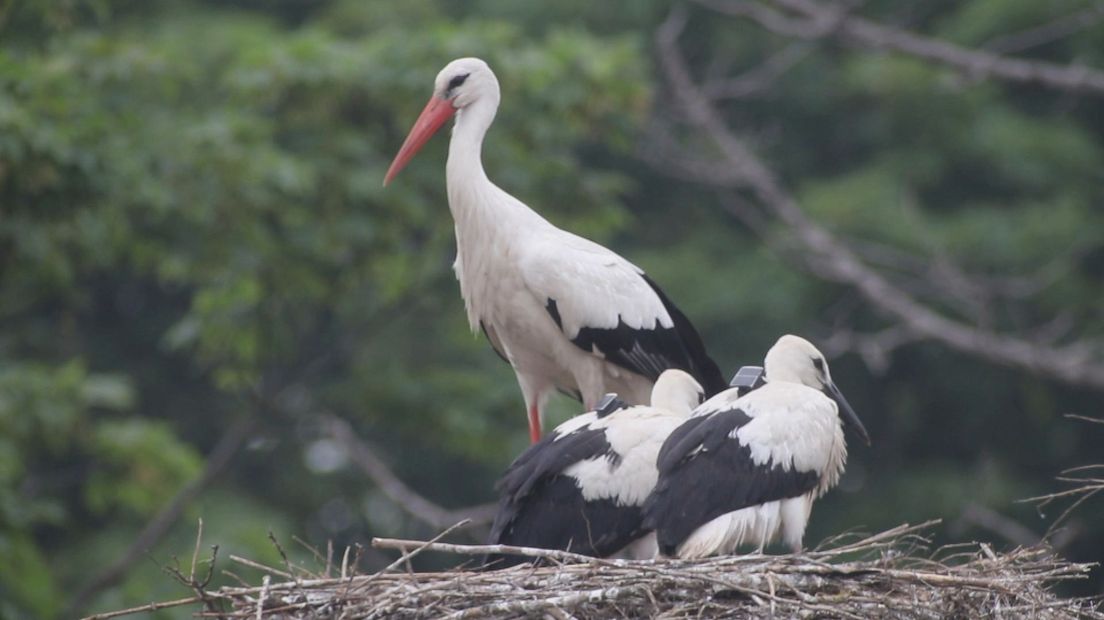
(795, 360)
(459, 85)
(676, 391)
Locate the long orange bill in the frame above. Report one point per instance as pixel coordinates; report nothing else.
(436, 112)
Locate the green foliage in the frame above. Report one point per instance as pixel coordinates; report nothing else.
(192, 222)
(192, 213)
(139, 466)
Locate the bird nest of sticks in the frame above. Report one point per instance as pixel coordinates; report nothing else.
(891, 574)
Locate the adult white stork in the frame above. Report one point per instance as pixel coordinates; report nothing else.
(566, 313)
(582, 488)
(746, 469)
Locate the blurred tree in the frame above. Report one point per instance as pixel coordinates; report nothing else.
(194, 232)
(946, 197)
(197, 256)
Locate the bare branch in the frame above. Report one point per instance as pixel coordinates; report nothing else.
(893, 573)
(224, 451)
(529, 552)
(1049, 32)
(144, 608)
(395, 489)
(210, 603)
(988, 519)
(1074, 364)
(759, 78)
(875, 349)
(824, 20)
(771, 19)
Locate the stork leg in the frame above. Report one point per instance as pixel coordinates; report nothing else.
(534, 424)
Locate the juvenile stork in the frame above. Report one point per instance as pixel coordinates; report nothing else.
(583, 486)
(566, 313)
(746, 469)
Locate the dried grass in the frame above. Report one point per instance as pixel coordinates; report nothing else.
(892, 574)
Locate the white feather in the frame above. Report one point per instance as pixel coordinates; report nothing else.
(635, 435)
(510, 261)
(793, 426)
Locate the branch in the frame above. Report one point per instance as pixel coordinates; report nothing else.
(1042, 34)
(824, 20)
(758, 78)
(1073, 364)
(224, 451)
(529, 552)
(395, 489)
(1002, 525)
(144, 608)
(874, 348)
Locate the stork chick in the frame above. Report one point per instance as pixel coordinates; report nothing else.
(583, 486)
(744, 470)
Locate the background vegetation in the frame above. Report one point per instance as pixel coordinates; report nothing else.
(199, 266)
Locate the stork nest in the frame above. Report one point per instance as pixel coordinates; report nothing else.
(892, 574)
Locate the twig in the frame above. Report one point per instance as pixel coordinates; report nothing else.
(195, 551)
(266, 581)
(1042, 34)
(287, 562)
(418, 548)
(323, 562)
(224, 451)
(529, 552)
(758, 78)
(199, 587)
(530, 606)
(395, 489)
(261, 567)
(822, 19)
(829, 258)
(993, 521)
(825, 583)
(180, 602)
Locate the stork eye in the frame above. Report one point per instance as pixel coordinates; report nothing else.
(457, 81)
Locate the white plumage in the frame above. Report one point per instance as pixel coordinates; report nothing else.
(582, 487)
(566, 313)
(745, 470)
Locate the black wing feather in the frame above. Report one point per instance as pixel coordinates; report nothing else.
(704, 474)
(701, 431)
(540, 507)
(550, 456)
(650, 351)
(555, 516)
(699, 364)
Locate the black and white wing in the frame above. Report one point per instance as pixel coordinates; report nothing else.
(582, 487)
(608, 306)
(718, 462)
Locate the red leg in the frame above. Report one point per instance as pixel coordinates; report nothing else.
(534, 425)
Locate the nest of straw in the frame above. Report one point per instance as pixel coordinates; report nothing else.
(892, 574)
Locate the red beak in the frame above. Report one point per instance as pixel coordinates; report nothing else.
(436, 112)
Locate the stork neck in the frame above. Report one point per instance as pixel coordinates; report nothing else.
(477, 203)
(465, 158)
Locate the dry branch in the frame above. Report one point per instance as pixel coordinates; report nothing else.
(811, 20)
(224, 451)
(827, 256)
(406, 498)
(888, 574)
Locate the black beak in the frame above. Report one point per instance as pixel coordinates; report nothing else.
(850, 419)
